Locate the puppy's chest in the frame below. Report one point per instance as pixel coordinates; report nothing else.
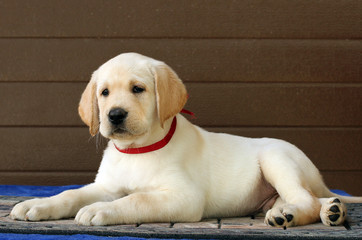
(130, 175)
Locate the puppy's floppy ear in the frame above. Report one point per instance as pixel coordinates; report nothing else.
(171, 94)
(88, 106)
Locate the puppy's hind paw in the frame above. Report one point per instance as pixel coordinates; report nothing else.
(279, 217)
(333, 212)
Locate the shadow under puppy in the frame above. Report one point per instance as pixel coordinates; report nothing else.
(159, 167)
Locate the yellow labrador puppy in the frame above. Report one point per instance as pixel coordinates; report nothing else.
(159, 167)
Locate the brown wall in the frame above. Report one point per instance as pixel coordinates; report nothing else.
(283, 68)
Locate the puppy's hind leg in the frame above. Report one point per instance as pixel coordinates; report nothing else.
(296, 204)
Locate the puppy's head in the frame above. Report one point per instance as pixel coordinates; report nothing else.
(128, 95)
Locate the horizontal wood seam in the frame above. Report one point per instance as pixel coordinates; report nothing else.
(245, 83)
(176, 38)
(91, 172)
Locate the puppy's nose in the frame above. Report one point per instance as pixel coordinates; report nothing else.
(117, 115)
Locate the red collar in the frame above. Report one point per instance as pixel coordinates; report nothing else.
(153, 147)
(158, 145)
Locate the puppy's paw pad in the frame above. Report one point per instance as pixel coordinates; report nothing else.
(279, 217)
(333, 212)
(289, 217)
(280, 221)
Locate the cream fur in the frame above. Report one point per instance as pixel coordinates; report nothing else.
(198, 175)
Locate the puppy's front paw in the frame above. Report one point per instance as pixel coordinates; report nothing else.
(333, 212)
(96, 214)
(32, 210)
(280, 217)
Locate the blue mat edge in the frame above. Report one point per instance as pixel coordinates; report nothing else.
(46, 191)
(13, 236)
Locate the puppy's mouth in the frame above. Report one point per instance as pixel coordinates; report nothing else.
(124, 133)
(119, 131)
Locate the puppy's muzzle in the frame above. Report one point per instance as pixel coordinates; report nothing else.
(117, 116)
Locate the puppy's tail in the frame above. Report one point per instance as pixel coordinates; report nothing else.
(346, 199)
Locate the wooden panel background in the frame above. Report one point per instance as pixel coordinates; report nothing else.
(285, 68)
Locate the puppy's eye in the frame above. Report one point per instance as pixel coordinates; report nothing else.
(105, 92)
(137, 89)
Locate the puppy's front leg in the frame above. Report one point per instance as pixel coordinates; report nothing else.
(143, 207)
(63, 205)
